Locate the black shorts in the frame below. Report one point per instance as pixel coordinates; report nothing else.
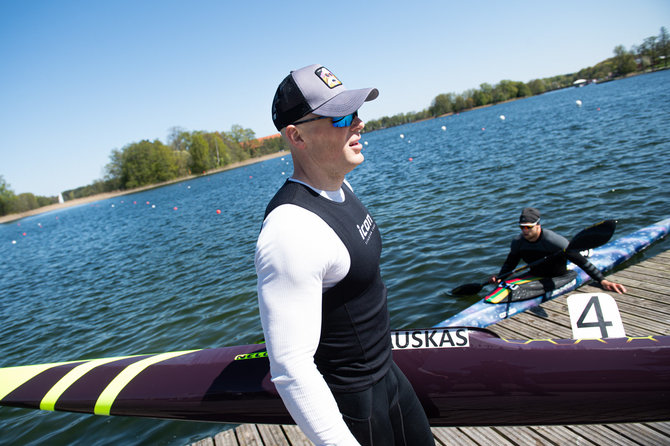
(388, 413)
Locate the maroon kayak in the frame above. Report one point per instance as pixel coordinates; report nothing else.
(463, 377)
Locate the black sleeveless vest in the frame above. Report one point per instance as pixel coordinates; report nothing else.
(354, 351)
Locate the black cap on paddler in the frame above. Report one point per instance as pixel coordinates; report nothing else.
(529, 216)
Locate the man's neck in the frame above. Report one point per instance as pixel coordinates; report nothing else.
(320, 182)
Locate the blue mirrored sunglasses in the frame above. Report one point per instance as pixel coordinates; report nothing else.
(344, 121)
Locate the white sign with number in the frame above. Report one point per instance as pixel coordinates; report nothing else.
(594, 316)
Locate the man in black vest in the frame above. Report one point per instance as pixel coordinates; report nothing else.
(321, 297)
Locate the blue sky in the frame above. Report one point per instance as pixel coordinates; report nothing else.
(81, 78)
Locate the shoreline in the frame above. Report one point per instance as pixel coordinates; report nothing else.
(106, 195)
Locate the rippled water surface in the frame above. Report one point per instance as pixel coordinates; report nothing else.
(162, 270)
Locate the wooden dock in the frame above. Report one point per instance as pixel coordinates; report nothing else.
(645, 310)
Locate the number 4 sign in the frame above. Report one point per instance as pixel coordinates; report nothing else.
(594, 315)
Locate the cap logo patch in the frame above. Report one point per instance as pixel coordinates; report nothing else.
(327, 77)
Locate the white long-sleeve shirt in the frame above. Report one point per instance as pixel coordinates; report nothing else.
(298, 257)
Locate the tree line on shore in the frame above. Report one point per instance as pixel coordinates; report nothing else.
(651, 55)
(150, 162)
(188, 153)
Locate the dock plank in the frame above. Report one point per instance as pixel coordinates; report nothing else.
(641, 433)
(226, 438)
(486, 435)
(645, 310)
(446, 436)
(272, 434)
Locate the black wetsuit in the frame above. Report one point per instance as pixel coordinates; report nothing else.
(548, 243)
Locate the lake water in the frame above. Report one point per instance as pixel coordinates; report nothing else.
(161, 270)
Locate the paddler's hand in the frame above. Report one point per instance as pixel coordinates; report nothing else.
(612, 286)
(494, 279)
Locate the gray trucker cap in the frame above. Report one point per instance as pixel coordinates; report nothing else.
(315, 89)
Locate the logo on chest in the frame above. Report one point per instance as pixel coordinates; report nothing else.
(366, 228)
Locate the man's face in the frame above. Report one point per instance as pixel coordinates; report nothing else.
(531, 232)
(337, 150)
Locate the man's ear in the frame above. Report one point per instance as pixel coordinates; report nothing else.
(294, 137)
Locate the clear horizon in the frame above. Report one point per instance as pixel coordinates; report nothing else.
(80, 79)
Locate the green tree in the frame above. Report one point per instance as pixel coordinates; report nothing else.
(274, 145)
(442, 104)
(178, 138)
(624, 62)
(460, 104)
(7, 197)
(650, 46)
(219, 155)
(484, 95)
(507, 90)
(240, 134)
(146, 163)
(199, 150)
(536, 86)
(24, 202)
(236, 150)
(114, 170)
(523, 90)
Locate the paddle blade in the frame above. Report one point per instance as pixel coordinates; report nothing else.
(593, 236)
(468, 289)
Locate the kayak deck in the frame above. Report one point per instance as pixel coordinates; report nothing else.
(643, 310)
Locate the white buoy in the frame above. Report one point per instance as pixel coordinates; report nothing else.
(366, 143)
(444, 127)
(402, 136)
(502, 117)
(13, 242)
(578, 102)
